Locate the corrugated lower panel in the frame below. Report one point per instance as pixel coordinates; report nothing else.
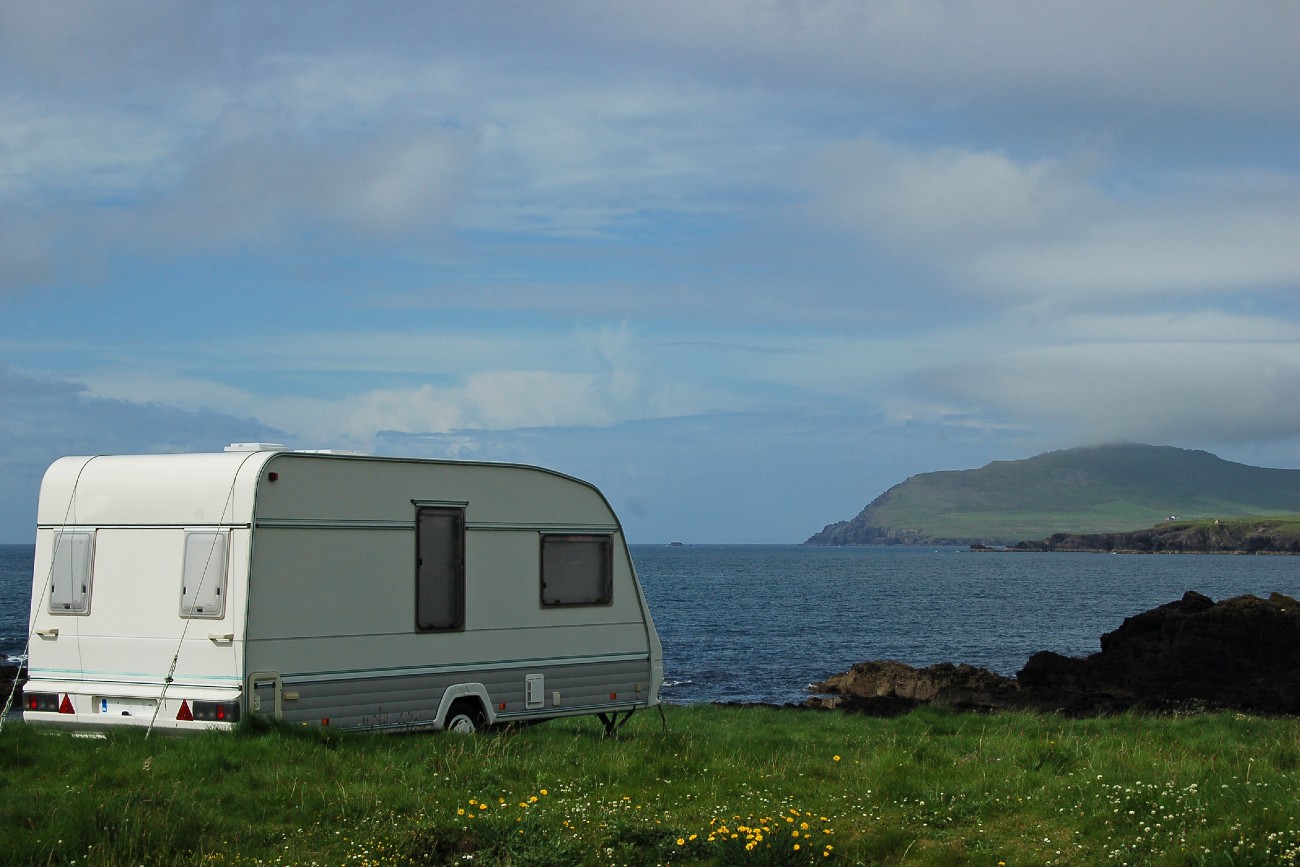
(413, 700)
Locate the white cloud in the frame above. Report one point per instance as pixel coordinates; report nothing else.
(1044, 230)
(1212, 246)
(268, 189)
(436, 381)
(1206, 326)
(1148, 392)
(494, 399)
(946, 198)
(1093, 59)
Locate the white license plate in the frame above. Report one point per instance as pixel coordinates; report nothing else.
(114, 706)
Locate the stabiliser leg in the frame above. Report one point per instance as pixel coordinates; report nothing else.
(613, 723)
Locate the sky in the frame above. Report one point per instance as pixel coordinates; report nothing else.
(744, 266)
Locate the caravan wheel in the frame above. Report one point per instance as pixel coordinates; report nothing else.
(465, 717)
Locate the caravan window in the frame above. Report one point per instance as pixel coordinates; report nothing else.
(203, 575)
(577, 570)
(71, 571)
(440, 568)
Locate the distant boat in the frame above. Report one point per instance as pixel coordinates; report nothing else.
(676, 544)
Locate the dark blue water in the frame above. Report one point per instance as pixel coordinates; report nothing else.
(760, 622)
(15, 597)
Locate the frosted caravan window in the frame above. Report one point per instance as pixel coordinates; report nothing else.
(203, 575)
(70, 573)
(439, 568)
(577, 570)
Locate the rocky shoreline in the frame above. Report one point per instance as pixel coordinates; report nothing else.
(1227, 536)
(1194, 654)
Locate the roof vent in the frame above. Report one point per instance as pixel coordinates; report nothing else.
(255, 447)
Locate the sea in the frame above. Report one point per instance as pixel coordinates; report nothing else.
(759, 623)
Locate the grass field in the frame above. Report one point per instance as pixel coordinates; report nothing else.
(718, 786)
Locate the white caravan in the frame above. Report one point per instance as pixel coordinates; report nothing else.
(188, 591)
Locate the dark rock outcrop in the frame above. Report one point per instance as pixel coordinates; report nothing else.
(1242, 653)
(889, 687)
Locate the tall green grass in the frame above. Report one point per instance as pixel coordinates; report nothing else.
(718, 786)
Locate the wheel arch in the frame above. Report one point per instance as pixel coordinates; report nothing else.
(462, 691)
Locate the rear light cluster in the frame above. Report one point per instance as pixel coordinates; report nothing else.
(209, 711)
(46, 702)
(201, 711)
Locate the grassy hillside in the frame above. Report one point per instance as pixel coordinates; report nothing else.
(759, 786)
(1085, 490)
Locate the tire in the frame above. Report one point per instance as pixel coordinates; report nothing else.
(465, 717)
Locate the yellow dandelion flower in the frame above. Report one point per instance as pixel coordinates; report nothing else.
(544, 792)
(460, 812)
(803, 825)
(693, 837)
(796, 847)
(835, 758)
(533, 799)
(681, 841)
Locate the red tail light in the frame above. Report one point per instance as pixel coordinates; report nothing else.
(46, 702)
(215, 711)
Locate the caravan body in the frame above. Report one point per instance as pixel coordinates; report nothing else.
(188, 591)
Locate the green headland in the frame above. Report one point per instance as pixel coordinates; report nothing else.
(1097, 489)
